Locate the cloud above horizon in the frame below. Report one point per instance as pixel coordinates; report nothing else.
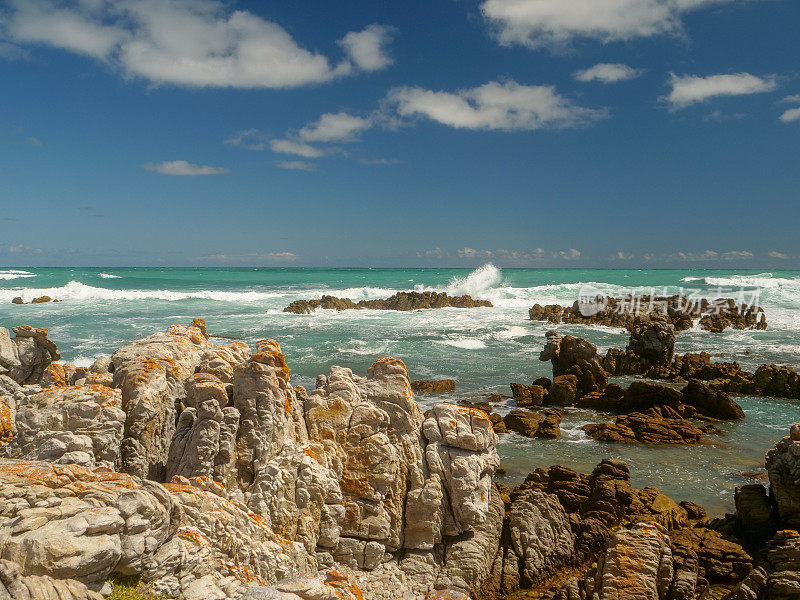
(193, 43)
(607, 73)
(692, 89)
(790, 116)
(297, 165)
(184, 168)
(554, 24)
(499, 106)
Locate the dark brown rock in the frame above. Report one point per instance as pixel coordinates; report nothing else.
(18, 300)
(427, 386)
(711, 401)
(523, 422)
(401, 301)
(528, 395)
(41, 300)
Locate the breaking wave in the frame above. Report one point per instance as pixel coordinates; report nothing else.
(9, 274)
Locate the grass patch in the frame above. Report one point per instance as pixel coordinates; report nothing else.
(131, 587)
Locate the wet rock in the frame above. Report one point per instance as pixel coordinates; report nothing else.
(575, 356)
(564, 391)
(41, 300)
(653, 339)
(18, 300)
(402, 301)
(524, 422)
(783, 467)
(711, 401)
(649, 427)
(772, 380)
(550, 427)
(642, 395)
(755, 513)
(425, 386)
(550, 313)
(527, 396)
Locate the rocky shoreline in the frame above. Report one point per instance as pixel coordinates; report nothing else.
(201, 472)
(402, 301)
(681, 312)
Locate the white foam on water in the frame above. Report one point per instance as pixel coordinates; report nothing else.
(464, 343)
(108, 276)
(9, 274)
(514, 332)
(75, 290)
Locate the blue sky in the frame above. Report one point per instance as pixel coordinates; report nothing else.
(613, 133)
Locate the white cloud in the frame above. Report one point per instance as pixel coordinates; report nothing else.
(737, 255)
(182, 167)
(694, 256)
(473, 253)
(297, 165)
(791, 115)
(555, 23)
(251, 139)
(624, 256)
(690, 89)
(380, 161)
(250, 258)
(195, 43)
(10, 51)
(608, 73)
(571, 254)
(778, 255)
(298, 148)
(435, 253)
(795, 99)
(367, 48)
(334, 127)
(506, 106)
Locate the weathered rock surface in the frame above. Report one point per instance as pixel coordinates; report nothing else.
(402, 301)
(24, 357)
(80, 424)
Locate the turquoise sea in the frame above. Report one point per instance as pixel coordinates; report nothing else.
(482, 349)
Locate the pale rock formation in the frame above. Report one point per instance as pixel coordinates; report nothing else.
(367, 430)
(637, 565)
(151, 374)
(15, 586)
(327, 585)
(271, 414)
(25, 357)
(540, 534)
(80, 424)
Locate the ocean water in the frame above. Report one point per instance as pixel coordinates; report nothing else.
(482, 349)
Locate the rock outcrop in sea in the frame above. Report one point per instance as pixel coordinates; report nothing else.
(712, 315)
(203, 473)
(402, 301)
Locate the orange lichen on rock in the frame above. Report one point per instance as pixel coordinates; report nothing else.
(310, 453)
(56, 375)
(57, 476)
(245, 575)
(6, 423)
(195, 537)
(343, 586)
